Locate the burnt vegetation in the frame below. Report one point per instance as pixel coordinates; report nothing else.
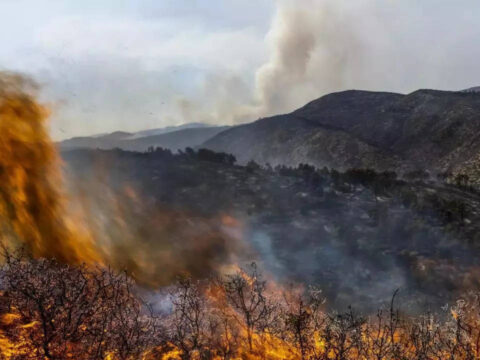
(358, 234)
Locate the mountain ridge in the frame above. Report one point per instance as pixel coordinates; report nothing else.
(427, 129)
(433, 130)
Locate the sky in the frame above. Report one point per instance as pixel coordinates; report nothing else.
(108, 65)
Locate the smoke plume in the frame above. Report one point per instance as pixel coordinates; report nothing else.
(314, 47)
(292, 40)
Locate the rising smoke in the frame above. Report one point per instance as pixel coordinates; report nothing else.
(292, 40)
(316, 47)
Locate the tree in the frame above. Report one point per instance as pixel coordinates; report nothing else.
(246, 293)
(189, 152)
(301, 317)
(252, 166)
(219, 157)
(189, 321)
(342, 335)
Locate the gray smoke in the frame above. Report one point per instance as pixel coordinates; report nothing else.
(293, 40)
(322, 46)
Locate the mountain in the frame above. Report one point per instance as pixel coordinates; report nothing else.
(432, 130)
(172, 137)
(427, 129)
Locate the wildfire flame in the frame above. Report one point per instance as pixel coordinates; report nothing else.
(99, 225)
(32, 205)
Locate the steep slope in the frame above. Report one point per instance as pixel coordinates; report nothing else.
(474, 89)
(426, 129)
(291, 140)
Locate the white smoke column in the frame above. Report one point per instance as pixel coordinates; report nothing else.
(281, 83)
(316, 48)
(292, 39)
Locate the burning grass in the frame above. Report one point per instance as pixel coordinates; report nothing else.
(51, 310)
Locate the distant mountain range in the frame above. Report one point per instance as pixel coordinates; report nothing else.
(172, 137)
(427, 129)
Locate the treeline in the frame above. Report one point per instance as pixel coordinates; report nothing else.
(356, 174)
(191, 154)
(362, 175)
(50, 310)
(408, 189)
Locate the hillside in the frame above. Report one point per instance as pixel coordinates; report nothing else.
(427, 129)
(357, 235)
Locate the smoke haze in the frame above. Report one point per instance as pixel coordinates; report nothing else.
(138, 65)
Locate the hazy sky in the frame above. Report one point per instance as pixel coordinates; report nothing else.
(110, 65)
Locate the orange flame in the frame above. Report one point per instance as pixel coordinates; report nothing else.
(32, 206)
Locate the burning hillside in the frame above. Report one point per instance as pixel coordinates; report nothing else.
(64, 294)
(55, 311)
(357, 235)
